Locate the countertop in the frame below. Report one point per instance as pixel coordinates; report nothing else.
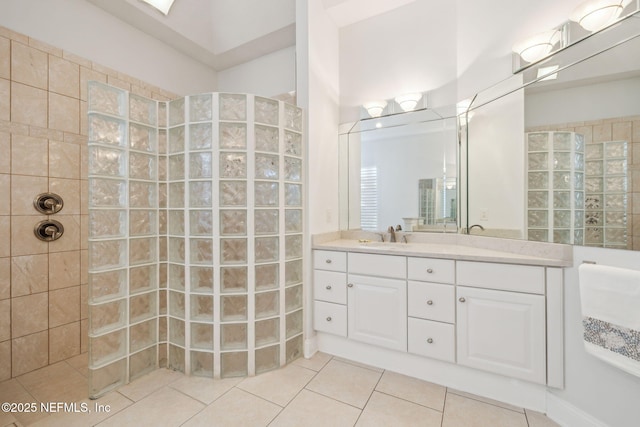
(533, 254)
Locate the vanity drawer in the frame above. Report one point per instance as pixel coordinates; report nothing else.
(508, 277)
(432, 270)
(378, 265)
(431, 301)
(330, 286)
(432, 339)
(331, 318)
(330, 260)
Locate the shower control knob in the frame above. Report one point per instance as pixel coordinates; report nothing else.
(48, 230)
(48, 203)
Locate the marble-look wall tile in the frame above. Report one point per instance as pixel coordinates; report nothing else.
(5, 320)
(29, 66)
(29, 275)
(5, 99)
(5, 58)
(5, 149)
(29, 105)
(23, 190)
(64, 160)
(5, 360)
(5, 278)
(29, 314)
(5, 230)
(5, 194)
(29, 353)
(64, 306)
(64, 342)
(64, 77)
(64, 113)
(64, 269)
(29, 156)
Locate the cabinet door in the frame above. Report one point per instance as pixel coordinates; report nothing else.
(377, 311)
(502, 332)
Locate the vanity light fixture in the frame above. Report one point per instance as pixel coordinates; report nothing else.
(409, 101)
(162, 5)
(375, 108)
(593, 15)
(537, 47)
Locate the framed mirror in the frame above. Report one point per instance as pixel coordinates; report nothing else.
(401, 170)
(553, 154)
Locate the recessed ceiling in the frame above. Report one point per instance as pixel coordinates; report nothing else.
(225, 33)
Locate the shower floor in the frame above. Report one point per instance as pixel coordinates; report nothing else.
(321, 391)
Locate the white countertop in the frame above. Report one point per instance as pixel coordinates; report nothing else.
(454, 251)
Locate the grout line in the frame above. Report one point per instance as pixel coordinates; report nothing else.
(370, 394)
(487, 403)
(409, 401)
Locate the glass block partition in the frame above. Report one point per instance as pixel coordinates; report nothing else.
(195, 235)
(555, 187)
(606, 194)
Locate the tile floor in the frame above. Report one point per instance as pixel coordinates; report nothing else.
(322, 391)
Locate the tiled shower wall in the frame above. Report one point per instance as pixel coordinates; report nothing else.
(43, 128)
(195, 242)
(615, 129)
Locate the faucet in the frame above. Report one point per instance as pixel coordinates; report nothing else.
(392, 233)
(474, 225)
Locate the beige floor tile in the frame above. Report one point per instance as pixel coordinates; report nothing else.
(462, 411)
(316, 362)
(536, 419)
(97, 411)
(354, 363)
(310, 409)
(205, 390)
(412, 389)
(279, 386)
(347, 383)
(383, 410)
(80, 363)
(13, 392)
(485, 400)
(149, 383)
(165, 407)
(236, 408)
(55, 383)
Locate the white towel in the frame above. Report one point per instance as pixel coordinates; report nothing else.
(610, 301)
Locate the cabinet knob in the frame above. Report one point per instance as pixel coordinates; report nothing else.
(429, 270)
(328, 261)
(430, 340)
(350, 285)
(461, 299)
(429, 302)
(329, 319)
(328, 287)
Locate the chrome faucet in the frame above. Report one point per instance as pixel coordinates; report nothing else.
(392, 234)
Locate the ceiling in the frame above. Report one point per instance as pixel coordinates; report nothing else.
(225, 33)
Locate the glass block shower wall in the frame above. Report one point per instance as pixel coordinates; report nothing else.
(555, 187)
(196, 235)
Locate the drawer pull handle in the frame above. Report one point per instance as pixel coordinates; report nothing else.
(328, 287)
(328, 261)
(461, 299)
(429, 302)
(429, 270)
(350, 285)
(430, 340)
(329, 319)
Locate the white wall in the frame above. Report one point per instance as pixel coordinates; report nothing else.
(79, 27)
(409, 49)
(269, 75)
(323, 110)
(593, 101)
(594, 387)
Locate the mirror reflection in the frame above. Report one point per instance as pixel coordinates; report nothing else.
(401, 170)
(559, 160)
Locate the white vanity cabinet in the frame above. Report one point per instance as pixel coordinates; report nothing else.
(502, 330)
(377, 300)
(330, 292)
(496, 317)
